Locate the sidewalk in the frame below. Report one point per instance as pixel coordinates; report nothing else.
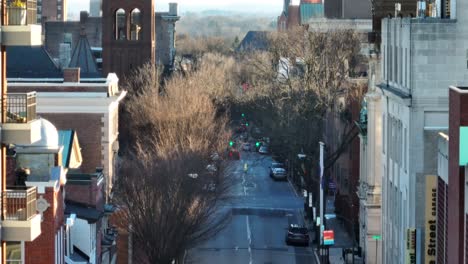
(342, 238)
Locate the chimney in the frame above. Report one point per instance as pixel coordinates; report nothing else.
(173, 9)
(83, 17)
(71, 75)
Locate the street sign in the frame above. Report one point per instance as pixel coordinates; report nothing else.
(328, 237)
(377, 237)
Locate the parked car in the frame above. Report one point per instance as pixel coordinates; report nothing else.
(277, 171)
(211, 168)
(297, 234)
(215, 156)
(234, 154)
(263, 150)
(246, 147)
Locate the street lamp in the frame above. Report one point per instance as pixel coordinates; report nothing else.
(193, 175)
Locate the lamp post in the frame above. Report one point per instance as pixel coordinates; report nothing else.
(322, 145)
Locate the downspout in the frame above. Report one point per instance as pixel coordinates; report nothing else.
(3, 119)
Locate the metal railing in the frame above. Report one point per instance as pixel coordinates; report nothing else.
(21, 12)
(20, 107)
(19, 203)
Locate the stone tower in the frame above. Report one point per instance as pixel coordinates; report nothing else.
(128, 35)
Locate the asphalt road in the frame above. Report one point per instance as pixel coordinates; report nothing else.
(261, 211)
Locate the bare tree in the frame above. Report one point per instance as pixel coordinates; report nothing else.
(295, 84)
(173, 183)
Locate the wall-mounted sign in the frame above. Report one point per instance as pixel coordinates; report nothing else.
(431, 219)
(328, 237)
(410, 246)
(463, 146)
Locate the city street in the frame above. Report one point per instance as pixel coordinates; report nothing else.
(261, 210)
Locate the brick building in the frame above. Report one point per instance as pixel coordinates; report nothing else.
(51, 10)
(59, 34)
(20, 223)
(46, 174)
(290, 17)
(128, 35)
(457, 192)
(92, 106)
(339, 125)
(90, 109)
(352, 9)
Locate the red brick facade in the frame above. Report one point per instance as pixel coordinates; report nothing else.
(42, 249)
(87, 194)
(442, 193)
(122, 55)
(88, 128)
(345, 172)
(458, 116)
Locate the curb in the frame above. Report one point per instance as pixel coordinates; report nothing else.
(317, 259)
(316, 256)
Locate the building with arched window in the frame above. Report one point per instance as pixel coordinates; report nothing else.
(128, 35)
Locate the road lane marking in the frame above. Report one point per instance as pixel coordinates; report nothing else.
(292, 187)
(243, 184)
(249, 238)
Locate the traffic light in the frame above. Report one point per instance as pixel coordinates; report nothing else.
(257, 144)
(246, 124)
(231, 143)
(243, 115)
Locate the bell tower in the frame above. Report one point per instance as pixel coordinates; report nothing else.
(128, 35)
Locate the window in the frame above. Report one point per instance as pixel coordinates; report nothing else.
(384, 134)
(405, 66)
(120, 25)
(14, 253)
(404, 150)
(135, 24)
(397, 63)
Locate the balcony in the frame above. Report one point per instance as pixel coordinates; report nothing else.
(21, 28)
(20, 220)
(21, 126)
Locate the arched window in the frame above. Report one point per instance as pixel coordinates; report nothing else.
(135, 24)
(120, 24)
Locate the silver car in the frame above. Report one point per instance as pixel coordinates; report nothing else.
(278, 172)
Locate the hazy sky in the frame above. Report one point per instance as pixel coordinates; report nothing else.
(267, 6)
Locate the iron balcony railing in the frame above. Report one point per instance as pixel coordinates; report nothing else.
(19, 203)
(21, 12)
(20, 107)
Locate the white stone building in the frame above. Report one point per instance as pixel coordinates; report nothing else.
(421, 57)
(369, 190)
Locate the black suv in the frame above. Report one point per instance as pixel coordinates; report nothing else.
(297, 235)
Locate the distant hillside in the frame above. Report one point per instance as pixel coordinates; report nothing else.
(224, 24)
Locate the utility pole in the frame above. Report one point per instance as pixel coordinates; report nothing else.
(322, 145)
